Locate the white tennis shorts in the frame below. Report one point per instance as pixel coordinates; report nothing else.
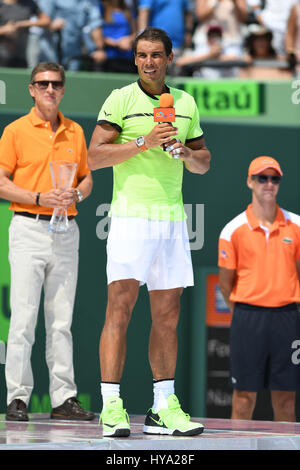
(154, 252)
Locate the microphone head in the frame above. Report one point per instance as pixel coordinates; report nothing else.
(165, 112)
(166, 100)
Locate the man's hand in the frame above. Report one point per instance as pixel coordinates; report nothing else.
(58, 198)
(57, 24)
(99, 56)
(160, 134)
(68, 197)
(215, 50)
(125, 43)
(9, 29)
(178, 150)
(195, 155)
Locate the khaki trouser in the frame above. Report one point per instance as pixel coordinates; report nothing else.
(39, 258)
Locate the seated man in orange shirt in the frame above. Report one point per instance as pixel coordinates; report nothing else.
(37, 257)
(259, 260)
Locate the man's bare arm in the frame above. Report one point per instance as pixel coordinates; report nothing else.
(226, 282)
(103, 152)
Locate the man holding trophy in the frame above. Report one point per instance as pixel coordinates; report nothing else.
(43, 172)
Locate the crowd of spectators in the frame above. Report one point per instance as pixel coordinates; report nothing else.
(211, 38)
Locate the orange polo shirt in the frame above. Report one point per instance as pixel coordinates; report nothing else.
(264, 260)
(28, 145)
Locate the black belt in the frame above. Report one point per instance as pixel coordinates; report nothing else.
(287, 307)
(39, 216)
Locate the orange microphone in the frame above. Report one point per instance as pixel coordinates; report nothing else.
(165, 112)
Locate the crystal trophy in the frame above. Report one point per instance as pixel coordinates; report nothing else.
(62, 174)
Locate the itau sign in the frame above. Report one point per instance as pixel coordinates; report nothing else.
(227, 98)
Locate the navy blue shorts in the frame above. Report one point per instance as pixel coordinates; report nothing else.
(264, 348)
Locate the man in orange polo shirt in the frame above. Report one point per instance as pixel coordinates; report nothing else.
(39, 258)
(259, 260)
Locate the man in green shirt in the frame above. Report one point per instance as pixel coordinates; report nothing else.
(148, 240)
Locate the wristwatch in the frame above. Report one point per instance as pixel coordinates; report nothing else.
(140, 142)
(79, 195)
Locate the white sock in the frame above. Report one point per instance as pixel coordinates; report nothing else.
(162, 389)
(108, 390)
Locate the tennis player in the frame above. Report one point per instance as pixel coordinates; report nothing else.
(148, 239)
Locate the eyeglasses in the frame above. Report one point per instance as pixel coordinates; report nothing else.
(43, 84)
(264, 178)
